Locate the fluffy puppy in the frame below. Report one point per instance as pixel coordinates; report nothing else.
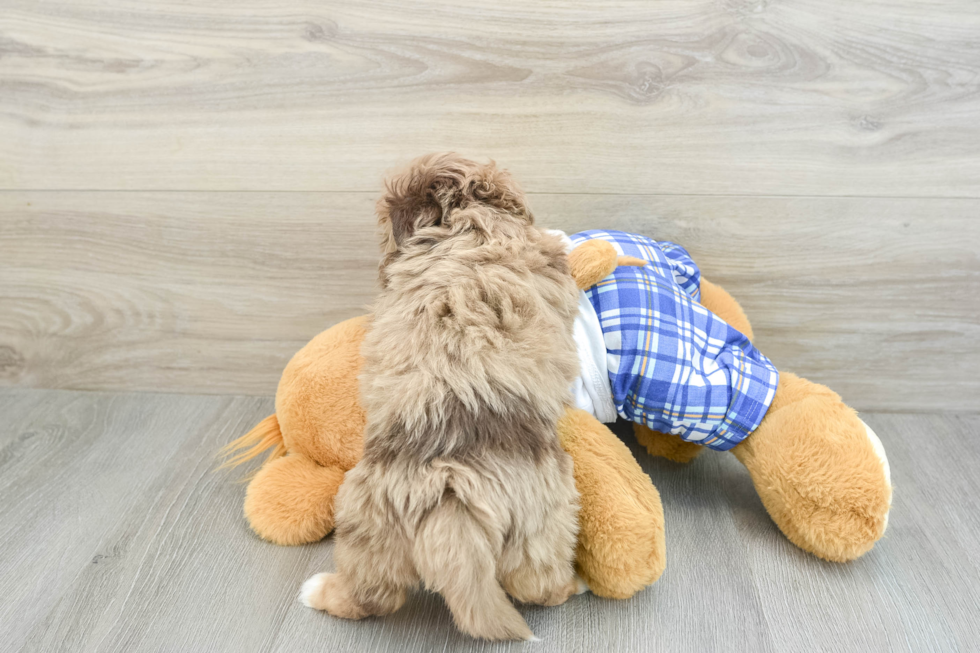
(468, 364)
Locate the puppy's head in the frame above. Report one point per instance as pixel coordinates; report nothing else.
(434, 189)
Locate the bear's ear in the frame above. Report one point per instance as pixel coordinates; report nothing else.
(433, 186)
(594, 260)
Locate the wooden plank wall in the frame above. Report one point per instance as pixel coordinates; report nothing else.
(186, 189)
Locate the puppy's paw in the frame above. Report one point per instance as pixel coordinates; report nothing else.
(329, 593)
(311, 592)
(558, 596)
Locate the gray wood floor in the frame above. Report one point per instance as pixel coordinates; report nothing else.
(116, 535)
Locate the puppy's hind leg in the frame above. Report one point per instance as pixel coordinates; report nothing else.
(333, 593)
(543, 583)
(367, 592)
(537, 565)
(373, 558)
(371, 583)
(456, 558)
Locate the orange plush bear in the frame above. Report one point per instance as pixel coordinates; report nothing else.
(316, 436)
(820, 471)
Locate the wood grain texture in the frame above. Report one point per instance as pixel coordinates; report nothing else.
(213, 292)
(814, 97)
(117, 536)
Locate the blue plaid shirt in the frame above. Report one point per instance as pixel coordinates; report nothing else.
(674, 365)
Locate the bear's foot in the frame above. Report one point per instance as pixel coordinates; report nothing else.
(820, 471)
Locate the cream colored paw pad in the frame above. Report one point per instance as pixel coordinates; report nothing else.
(880, 451)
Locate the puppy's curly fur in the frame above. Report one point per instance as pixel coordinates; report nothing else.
(468, 364)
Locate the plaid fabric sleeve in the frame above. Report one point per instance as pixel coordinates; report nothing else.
(673, 365)
(686, 272)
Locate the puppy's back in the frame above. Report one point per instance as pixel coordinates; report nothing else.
(468, 365)
(471, 344)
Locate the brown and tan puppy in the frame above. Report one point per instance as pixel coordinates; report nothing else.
(467, 367)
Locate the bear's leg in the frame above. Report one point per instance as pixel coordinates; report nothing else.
(819, 470)
(291, 500)
(665, 445)
(717, 300)
(621, 543)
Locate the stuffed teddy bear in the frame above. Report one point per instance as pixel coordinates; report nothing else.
(316, 436)
(819, 470)
(658, 345)
(689, 379)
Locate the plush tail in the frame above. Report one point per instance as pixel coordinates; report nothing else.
(455, 558)
(266, 435)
